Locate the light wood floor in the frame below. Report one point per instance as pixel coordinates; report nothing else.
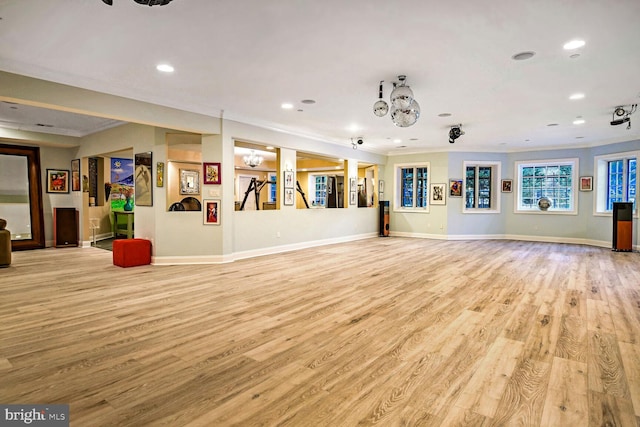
(389, 332)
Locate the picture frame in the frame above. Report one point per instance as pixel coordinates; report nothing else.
(380, 186)
(211, 173)
(160, 174)
(211, 211)
(352, 184)
(189, 181)
(58, 180)
(143, 179)
(455, 188)
(507, 185)
(75, 175)
(289, 196)
(352, 198)
(288, 179)
(438, 194)
(586, 183)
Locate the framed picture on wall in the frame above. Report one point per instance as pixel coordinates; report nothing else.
(211, 212)
(507, 185)
(586, 183)
(438, 195)
(189, 181)
(455, 188)
(288, 179)
(288, 196)
(352, 198)
(143, 179)
(75, 175)
(160, 174)
(57, 181)
(352, 184)
(380, 186)
(211, 173)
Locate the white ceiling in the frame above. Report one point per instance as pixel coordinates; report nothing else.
(247, 57)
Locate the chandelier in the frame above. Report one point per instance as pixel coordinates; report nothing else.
(405, 110)
(253, 159)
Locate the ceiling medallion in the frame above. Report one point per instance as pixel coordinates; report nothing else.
(405, 110)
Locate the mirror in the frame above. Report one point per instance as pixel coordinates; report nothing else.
(21, 196)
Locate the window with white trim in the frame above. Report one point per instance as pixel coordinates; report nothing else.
(412, 186)
(616, 180)
(555, 180)
(481, 191)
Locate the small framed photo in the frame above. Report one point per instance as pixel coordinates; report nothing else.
(586, 183)
(352, 184)
(380, 186)
(211, 173)
(438, 195)
(352, 198)
(507, 185)
(211, 212)
(288, 196)
(189, 181)
(143, 179)
(57, 181)
(75, 175)
(288, 179)
(455, 188)
(160, 174)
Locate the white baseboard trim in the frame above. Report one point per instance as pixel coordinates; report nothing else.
(526, 238)
(302, 245)
(219, 259)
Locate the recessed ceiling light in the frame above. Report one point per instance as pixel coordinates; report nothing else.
(578, 121)
(577, 96)
(573, 44)
(444, 115)
(165, 68)
(527, 140)
(401, 146)
(522, 56)
(413, 139)
(579, 137)
(552, 124)
(287, 106)
(574, 56)
(308, 101)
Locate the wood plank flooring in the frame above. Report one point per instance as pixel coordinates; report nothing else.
(385, 331)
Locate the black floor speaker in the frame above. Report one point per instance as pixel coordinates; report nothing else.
(65, 227)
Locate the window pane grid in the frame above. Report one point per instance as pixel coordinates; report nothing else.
(551, 181)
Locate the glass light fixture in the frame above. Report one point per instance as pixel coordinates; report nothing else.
(253, 159)
(380, 108)
(405, 110)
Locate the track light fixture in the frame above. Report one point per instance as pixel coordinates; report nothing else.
(145, 2)
(358, 141)
(405, 110)
(455, 132)
(620, 115)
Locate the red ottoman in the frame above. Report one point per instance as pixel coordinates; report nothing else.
(131, 252)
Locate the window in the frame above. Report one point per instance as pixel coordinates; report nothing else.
(320, 190)
(412, 186)
(272, 187)
(616, 180)
(481, 193)
(554, 179)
